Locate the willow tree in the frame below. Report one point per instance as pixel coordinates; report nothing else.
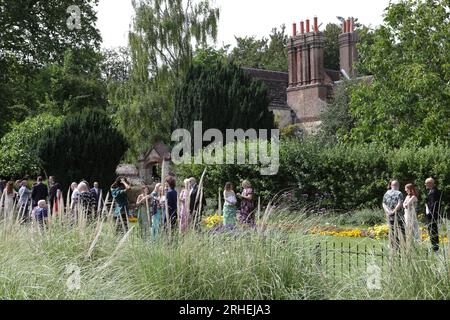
(163, 38)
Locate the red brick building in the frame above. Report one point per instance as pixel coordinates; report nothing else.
(300, 95)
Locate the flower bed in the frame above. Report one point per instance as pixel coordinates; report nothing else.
(376, 232)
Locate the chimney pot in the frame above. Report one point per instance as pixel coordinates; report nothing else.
(307, 26)
(348, 25)
(316, 25)
(352, 25)
(302, 27)
(294, 29)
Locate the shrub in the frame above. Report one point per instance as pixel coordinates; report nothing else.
(18, 154)
(84, 146)
(363, 217)
(340, 176)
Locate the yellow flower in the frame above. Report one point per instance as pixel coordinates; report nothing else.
(213, 220)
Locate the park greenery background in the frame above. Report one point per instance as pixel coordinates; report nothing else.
(65, 103)
(58, 86)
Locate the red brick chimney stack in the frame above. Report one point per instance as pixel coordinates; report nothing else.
(294, 29)
(316, 25)
(347, 46)
(307, 26)
(302, 27)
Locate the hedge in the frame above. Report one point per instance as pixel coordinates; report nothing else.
(341, 176)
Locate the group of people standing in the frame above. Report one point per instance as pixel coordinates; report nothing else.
(159, 207)
(401, 213)
(37, 202)
(165, 207)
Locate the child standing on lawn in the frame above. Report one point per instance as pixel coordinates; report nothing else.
(229, 207)
(41, 213)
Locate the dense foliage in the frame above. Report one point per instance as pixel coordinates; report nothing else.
(162, 42)
(45, 67)
(266, 53)
(339, 176)
(408, 98)
(84, 146)
(222, 96)
(18, 152)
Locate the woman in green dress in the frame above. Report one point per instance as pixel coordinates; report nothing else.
(229, 207)
(145, 208)
(157, 210)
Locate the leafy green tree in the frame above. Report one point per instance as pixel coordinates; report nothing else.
(164, 36)
(408, 98)
(85, 146)
(36, 32)
(18, 153)
(336, 118)
(34, 43)
(70, 88)
(222, 96)
(266, 53)
(331, 49)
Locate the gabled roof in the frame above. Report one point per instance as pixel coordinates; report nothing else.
(161, 149)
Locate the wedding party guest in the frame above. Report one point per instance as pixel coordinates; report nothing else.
(393, 207)
(119, 193)
(73, 197)
(195, 209)
(41, 213)
(432, 212)
(145, 207)
(17, 185)
(246, 215)
(24, 201)
(157, 204)
(86, 200)
(229, 207)
(39, 191)
(9, 198)
(2, 186)
(172, 202)
(184, 212)
(410, 206)
(97, 192)
(54, 194)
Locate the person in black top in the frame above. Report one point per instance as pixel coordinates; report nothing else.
(194, 203)
(39, 192)
(432, 210)
(53, 192)
(172, 202)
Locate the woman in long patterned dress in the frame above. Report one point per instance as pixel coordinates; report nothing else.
(144, 205)
(246, 215)
(229, 206)
(157, 210)
(410, 206)
(184, 214)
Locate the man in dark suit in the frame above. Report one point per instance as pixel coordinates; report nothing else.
(432, 210)
(39, 192)
(194, 202)
(96, 191)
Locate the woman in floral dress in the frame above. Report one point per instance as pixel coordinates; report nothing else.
(184, 214)
(246, 215)
(158, 203)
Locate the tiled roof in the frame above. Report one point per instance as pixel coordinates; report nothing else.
(276, 82)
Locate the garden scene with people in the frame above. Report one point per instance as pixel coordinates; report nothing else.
(310, 164)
